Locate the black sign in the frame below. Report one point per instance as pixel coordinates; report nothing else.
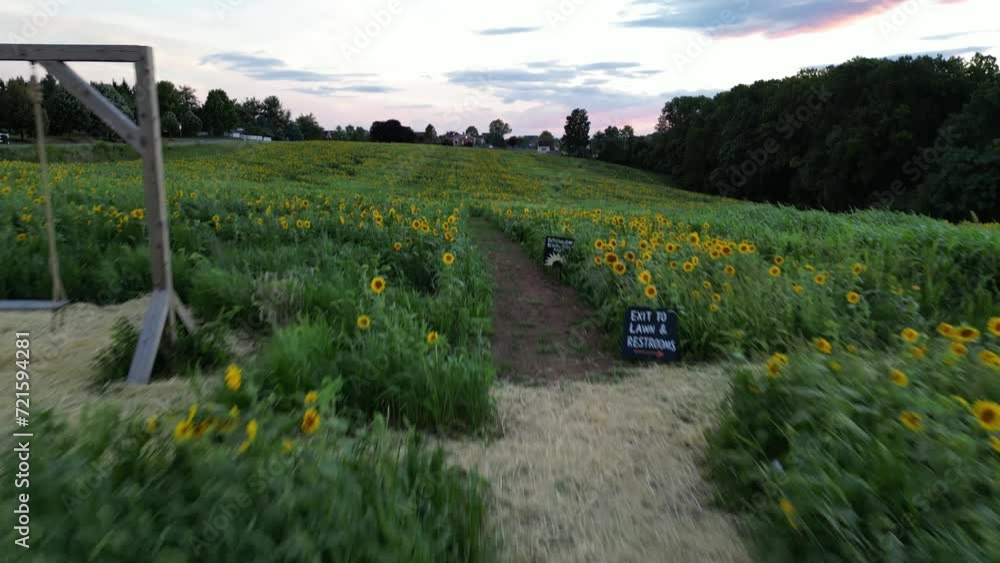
(557, 250)
(650, 335)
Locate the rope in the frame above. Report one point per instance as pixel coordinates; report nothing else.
(58, 293)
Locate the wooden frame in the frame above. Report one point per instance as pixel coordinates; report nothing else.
(144, 137)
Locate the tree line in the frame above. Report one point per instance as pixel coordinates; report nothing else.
(181, 113)
(917, 134)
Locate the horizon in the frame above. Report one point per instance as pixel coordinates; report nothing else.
(528, 64)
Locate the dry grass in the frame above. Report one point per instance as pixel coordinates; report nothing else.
(61, 367)
(607, 471)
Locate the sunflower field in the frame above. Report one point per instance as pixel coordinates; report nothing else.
(350, 269)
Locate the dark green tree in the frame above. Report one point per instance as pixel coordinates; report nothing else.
(310, 127)
(576, 140)
(219, 113)
(498, 130)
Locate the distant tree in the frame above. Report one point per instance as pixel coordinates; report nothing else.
(168, 97)
(219, 113)
(498, 129)
(67, 114)
(170, 125)
(430, 134)
(391, 131)
(251, 111)
(577, 134)
(513, 141)
(360, 134)
(546, 139)
(274, 117)
(190, 123)
(187, 100)
(310, 127)
(472, 131)
(15, 107)
(293, 132)
(116, 97)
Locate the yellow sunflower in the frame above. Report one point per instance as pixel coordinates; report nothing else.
(310, 421)
(823, 345)
(958, 349)
(945, 329)
(234, 377)
(912, 420)
(994, 326)
(311, 397)
(645, 277)
(397, 246)
(650, 291)
(364, 322)
(620, 268)
(432, 337)
(853, 297)
(730, 270)
(899, 378)
(966, 334)
(918, 352)
(378, 285)
(819, 279)
(910, 335)
(778, 260)
(987, 413)
(856, 269)
(989, 358)
(448, 258)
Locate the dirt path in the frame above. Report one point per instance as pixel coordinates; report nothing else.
(587, 471)
(542, 330)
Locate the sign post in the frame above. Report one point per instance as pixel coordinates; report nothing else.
(650, 335)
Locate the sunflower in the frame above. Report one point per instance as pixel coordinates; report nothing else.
(287, 446)
(789, 511)
(966, 334)
(918, 352)
(899, 378)
(252, 430)
(598, 261)
(432, 337)
(696, 294)
(448, 258)
(823, 345)
(851, 348)
(378, 285)
(713, 308)
(630, 256)
(688, 267)
(730, 270)
(988, 415)
(912, 420)
(989, 358)
(151, 424)
(311, 397)
(819, 279)
(716, 297)
(650, 291)
(610, 258)
(853, 297)
(958, 349)
(856, 269)
(910, 335)
(364, 322)
(184, 431)
(645, 277)
(234, 377)
(798, 289)
(994, 326)
(620, 268)
(672, 264)
(310, 421)
(945, 329)
(397, 246)
(779, 260)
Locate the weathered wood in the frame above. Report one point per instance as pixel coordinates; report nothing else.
(157, 218)
(184, 314)
(95, 102)
(153, 324)
(32, 305)
(95, 53)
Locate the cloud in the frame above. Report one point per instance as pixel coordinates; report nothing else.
(508, 30)
(946, 36)
(269, 68)
(352, 89)
(731, 18)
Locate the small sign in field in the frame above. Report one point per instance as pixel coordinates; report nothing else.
(556, 250)
(650, 335)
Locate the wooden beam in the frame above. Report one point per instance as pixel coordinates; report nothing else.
(153, 324)
(95, 53)
(184, 314)
(95, 102)
(32, 305)
(157, 218)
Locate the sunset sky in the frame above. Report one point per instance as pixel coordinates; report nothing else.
(458, 63)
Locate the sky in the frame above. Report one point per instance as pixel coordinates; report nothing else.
(455, 63)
